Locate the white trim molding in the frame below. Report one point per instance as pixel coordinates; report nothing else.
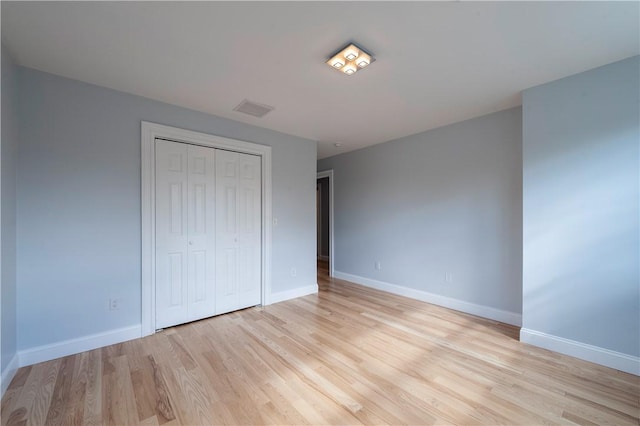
(608, 358)
(332, 252)
(149, 133)
(77, 345)
(436, 299)
(8, 374)
(281, 296)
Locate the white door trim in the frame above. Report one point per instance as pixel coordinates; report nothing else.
(329, 174)
(149, 133)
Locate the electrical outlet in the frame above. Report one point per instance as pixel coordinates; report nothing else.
(377, 265)
(294, 272)
(114, 304)
(448, 277)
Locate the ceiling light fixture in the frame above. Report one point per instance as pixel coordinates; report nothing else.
(350, 60)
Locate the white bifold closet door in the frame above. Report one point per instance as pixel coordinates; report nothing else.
(208, 232)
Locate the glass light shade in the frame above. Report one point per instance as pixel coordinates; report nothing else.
(350, 68)
(336, 62)
(351, 52)
(363, 60)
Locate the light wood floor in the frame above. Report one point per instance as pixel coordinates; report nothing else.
(348, 355)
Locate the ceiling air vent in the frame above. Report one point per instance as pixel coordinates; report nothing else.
(252, 108)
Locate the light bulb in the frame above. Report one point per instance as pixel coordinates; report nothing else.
(336, 62)
(350, 68)
(351, 52)
(363, 60)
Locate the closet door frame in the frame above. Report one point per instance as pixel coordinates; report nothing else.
(149, 133)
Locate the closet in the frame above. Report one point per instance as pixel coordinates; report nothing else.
(207, 232)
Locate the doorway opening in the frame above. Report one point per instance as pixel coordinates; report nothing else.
(324, 222)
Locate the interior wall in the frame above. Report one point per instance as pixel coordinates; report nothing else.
(441, 211)
(79, 204)
(582, 208)
(8, 342)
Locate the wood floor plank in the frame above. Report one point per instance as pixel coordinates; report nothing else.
(163, 406)
(62, 392)
(8, 400)
(196, 395)
(74, 414)
(119, 406)
(21, 377)
(44, 392)
(23, 400)
(92, 414)
(348, 355)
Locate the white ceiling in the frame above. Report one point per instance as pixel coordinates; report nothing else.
(437, 62)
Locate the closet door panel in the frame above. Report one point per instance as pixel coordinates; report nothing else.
(226, 231)
(201, 232)
(239, 233)
(250, 231)
(171, 234)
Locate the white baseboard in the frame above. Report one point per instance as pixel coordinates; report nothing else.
(436, 299)
(8, 373)
(73, 346)
(608, 358)
(281, 296)
(322, 257)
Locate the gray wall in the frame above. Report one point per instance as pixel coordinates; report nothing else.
(324, 216)
(8, 214)
(581, 207)
(446, 200)
(79, 204)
